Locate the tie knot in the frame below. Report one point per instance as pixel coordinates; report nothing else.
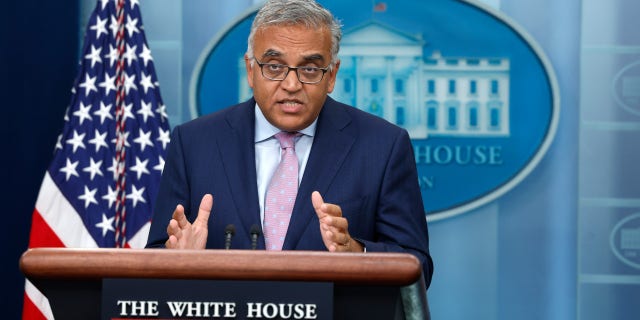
(287, 139)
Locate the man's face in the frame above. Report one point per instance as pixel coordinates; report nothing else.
(289, 104)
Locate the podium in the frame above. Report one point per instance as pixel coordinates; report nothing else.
(365, 285)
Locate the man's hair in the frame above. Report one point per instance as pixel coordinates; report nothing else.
(296, 12)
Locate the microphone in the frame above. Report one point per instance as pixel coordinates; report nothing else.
(229, 231)
(255, 233)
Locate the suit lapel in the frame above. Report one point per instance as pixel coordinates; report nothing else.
(330, 147)
(237, 152)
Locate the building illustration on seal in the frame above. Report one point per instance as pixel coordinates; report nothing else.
(630, 239)
(384, 71)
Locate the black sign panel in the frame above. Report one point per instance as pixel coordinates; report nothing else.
(215, 299)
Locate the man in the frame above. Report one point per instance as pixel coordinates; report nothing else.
(354, 187)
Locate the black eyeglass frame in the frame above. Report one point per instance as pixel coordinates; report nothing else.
(289, 68)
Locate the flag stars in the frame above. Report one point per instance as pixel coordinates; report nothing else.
(129, 82)
(77, 141)
(89, 197)
(94, 168)
(131, 25)
(123, 138)
(111, 196)
(83, 113)
(59, 142)
(140, 168)
(136, 195)
(162, 111)
(144, 139)
(112, 56)
(66, 112)
(160, 165)
(106, 225)
(108, 84)
(104, 112)
(128, 114)
(94, 56)
(114, 26)
(70, 169)
(163, 136)
(99, 140)
(130, 54)
(145, 82)
(89, 84)
(113, 169)
(145, 55)
(100, 27)
(145, 110)
(85, 171)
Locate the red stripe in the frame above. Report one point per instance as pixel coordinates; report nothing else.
(41, 233)
(30, 311)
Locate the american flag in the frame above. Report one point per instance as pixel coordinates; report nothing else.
(98, 190)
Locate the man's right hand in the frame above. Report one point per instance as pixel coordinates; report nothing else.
(185, 235)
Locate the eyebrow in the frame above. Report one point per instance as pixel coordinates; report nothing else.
(270, 53)
(314, 57)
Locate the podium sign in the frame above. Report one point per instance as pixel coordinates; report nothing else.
(215, 299)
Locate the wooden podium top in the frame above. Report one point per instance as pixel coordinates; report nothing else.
(397, 269)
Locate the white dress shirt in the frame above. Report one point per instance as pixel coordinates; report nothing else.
(268, 153)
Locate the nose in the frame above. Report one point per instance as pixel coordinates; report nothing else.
(291, 81)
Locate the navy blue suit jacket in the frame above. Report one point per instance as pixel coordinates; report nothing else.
(358, 161)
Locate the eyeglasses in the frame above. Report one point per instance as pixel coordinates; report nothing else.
(278, 72)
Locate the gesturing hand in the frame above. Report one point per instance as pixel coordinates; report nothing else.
(334, 228)
(186, 235)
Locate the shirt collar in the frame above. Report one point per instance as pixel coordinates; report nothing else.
(265, 130)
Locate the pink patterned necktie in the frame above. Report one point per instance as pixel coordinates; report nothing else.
(281, 193)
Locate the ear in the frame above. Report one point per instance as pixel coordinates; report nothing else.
(248, 65)
(332, 76)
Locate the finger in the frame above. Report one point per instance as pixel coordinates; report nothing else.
(338, 223)
(173, 229)
(332, 209)
(328, 241)
(318, 204)
(322, 208)
(205, 209)
(339, 247)
(178, 215)
(317, 201)
(171, 243)
(338, 238)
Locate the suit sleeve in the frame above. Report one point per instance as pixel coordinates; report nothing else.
(174, 190)
(400, 219)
